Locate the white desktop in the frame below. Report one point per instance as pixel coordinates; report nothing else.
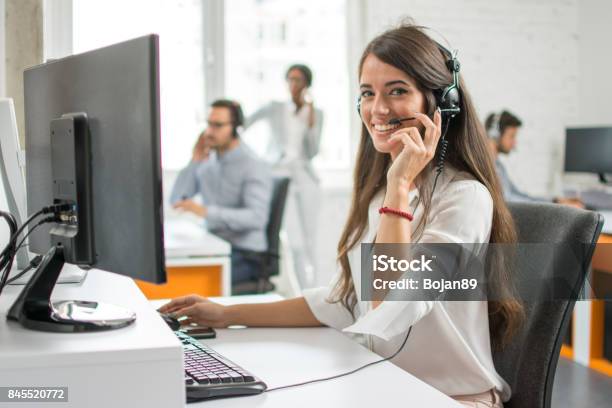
(138, 366)
(142, 365)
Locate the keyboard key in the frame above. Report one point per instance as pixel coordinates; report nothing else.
(237, 378)
(225, 378)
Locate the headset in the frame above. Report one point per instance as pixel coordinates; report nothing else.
(448, 98)
(236, 114)
(237, 118)
(494, 130)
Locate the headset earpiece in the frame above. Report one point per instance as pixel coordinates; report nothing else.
(238, 116)
(449, 98)
(359, 106)
(494, 131)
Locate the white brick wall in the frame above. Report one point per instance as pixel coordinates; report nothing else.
(545, 60)
(595, 62)
(519, 55)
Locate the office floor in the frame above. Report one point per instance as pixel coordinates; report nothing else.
(579, 386)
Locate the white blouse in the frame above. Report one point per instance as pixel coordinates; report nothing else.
(449, 346)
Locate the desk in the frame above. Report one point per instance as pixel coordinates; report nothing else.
(281, 356)
(137, 366)
(196, 262)
(141, 365)
(607, 227)
(602, 263)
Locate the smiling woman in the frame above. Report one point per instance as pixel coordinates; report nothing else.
(405, 80)
(404, 74)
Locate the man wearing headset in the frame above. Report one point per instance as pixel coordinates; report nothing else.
(502, 129)
(235, 185)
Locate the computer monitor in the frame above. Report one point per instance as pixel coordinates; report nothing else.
(11, 170)
(589, 150)
(93, 148)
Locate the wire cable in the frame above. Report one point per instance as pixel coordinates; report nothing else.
(37, 259)
(55, 209)
(443, 149)
(333, 377)
(10, 250)
(12, 223)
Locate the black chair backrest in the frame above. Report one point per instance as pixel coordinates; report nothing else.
(529, 362)
(277, 209)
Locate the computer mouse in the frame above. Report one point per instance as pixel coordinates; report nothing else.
(171, 321)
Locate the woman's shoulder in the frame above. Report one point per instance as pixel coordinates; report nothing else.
(462, 211)
(463, 187)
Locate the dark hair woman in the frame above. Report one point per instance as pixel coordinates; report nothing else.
(402, 73)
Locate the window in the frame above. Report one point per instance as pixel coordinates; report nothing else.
(255, 41)
(97, 23)
(264, 37)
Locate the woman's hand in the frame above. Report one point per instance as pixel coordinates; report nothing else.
(180, 303)
(416, 152)
(198, 310)
(307, 101)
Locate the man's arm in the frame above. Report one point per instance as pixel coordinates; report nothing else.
(513, 194)
(187, 184)
(257, 193)
(510, 191)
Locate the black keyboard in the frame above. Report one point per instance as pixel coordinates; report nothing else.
(210, 375)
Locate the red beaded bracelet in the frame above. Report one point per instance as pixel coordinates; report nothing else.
(400, 213)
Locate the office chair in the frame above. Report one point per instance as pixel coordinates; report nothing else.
(268, 260)
(529, 362)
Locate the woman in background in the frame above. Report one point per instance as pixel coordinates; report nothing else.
(294, 140)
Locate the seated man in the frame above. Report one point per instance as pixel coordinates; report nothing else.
(236, 188)
(502, 129)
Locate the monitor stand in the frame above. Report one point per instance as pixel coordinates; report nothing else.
(603, 179)
(34, 309)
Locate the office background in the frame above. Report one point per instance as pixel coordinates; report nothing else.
(544, 60)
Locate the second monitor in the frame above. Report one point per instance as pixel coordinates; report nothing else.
(93, 147)
(589, 150)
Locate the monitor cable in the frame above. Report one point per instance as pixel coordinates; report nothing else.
(9, 252)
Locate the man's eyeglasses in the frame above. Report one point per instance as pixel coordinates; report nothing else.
(218, 125)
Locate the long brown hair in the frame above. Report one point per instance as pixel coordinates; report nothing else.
(409, 49)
